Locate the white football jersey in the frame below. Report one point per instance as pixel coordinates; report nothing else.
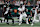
(36, 10)
(8, 8)
(23, 7)
(20, 9)
(6, 12)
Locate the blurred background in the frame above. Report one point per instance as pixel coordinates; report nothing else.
(17, 3)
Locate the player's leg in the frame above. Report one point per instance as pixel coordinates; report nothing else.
(6, 18)
(34, 21)
(20, 19)
(7, 21)
(2, 20)
(27, 20)
(39, 16)
(34, 17)
(12, 21)
(25, 15)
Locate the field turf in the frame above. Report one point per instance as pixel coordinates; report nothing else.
(16, 24)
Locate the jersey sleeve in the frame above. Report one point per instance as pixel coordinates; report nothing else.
(23, 7)
(19, 9)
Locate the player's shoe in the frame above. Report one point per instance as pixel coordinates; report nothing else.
(27, 23)
(19, 23)
(1, 21)
(32, 24)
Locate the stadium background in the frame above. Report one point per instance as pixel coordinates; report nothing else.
(29, 8)
(33, 2)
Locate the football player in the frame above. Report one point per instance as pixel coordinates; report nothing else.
(35, 16)
(22, 12)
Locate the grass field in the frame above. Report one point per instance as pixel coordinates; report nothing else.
(16, 25)
(22, 25)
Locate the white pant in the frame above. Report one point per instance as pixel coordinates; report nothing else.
(35, 20)
(39, 16)
(35, 16)
(21, 16)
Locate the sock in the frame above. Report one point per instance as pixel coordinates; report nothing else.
(34, 17)
(13, 21)
(7, 21)
(26, 20)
